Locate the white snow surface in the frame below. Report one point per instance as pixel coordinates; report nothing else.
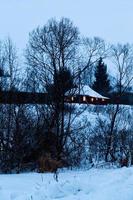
(94, 184)
(86, 90)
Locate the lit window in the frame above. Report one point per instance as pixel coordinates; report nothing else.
(102, 99)
(92, 99)
(84, 98)
(72, 98)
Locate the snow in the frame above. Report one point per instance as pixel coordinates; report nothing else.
(94, 184)
(86, 90)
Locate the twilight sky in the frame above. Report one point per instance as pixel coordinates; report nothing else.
(111, 20)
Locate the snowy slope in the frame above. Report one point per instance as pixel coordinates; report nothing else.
(95, 184)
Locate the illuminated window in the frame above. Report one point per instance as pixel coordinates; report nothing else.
(72, 98)
(84, 98)
(102, 99)
(92, 99)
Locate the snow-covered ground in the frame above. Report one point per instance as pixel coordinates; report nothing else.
(94, 184)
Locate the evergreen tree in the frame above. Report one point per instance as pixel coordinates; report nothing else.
(102, 82)
(1, 75)
(62, 83)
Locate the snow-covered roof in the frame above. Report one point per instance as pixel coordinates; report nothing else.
(86, 90)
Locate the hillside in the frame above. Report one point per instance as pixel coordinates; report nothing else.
(94, 184)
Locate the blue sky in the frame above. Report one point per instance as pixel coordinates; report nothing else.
(111, 20)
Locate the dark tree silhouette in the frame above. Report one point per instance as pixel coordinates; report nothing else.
(102, 82)
(62, 83)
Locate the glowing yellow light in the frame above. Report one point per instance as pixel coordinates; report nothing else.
(72, 98)
(92, 99)
(84, 98)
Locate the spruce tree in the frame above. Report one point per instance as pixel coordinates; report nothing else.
(102, 82)
(1, 75)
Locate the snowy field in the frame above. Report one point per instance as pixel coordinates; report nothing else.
(95, 184)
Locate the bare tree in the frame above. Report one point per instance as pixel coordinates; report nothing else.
(122, 56)
(52, 53)
(91, 50)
